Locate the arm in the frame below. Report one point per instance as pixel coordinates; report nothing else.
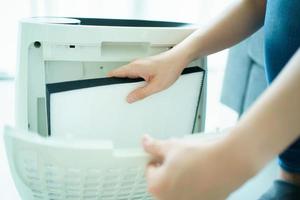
(162, 70)
(214, 170)
(240, 21)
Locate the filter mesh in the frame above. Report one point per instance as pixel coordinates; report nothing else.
(51, 182)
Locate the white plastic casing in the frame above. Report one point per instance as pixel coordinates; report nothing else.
(61, 49)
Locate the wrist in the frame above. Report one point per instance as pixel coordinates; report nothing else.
(243, 162)
(191, 48)
(182, 54)
(176, 59)
(225, 162)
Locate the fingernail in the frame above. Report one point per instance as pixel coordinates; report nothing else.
(147, 140)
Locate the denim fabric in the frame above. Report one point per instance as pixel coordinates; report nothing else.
(282, 39)
(282, 190)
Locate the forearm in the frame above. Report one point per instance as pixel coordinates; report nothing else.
(244, 18)
(272, 124)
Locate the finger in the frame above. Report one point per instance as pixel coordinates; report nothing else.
(143, 92)
(157, 148)
(153, 177)
(124, 71)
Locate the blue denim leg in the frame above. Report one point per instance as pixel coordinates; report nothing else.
(282, 39)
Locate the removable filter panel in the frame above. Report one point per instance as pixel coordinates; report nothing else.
(97, 108)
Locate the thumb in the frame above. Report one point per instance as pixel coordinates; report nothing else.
(155, 177)
(156, 148)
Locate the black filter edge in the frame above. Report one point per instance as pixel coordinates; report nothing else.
(87, 83)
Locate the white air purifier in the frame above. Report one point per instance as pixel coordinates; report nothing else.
(76, 137)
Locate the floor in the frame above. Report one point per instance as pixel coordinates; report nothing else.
(218, 116)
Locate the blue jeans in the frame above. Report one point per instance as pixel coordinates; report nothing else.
(282, 40)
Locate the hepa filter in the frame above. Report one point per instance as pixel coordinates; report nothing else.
(97, 109)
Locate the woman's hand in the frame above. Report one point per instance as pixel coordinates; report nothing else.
(159, 71)
(194, 169)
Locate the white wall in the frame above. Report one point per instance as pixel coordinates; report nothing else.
(10, 11)
(175, 10)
